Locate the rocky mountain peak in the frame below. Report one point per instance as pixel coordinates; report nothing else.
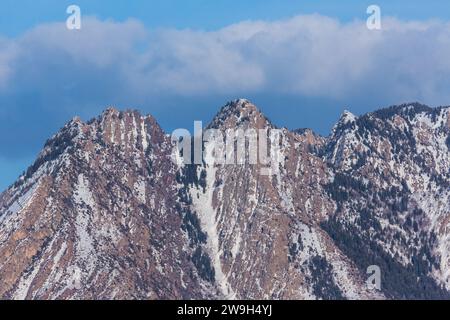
(346, 121)
(240, 113)
(347, 117)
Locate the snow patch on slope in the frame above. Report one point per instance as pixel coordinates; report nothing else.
(85, 202)
(203, 205)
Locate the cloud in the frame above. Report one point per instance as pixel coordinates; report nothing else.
(306, 55)
(50, 73)
(7, 53)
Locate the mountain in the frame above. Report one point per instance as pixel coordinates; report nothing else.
(97, 216)
(391, 187)
(105, 212)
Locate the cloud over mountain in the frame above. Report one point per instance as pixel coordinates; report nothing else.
(49, 72)
(302, 55)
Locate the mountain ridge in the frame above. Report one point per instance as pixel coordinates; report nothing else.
(104, 197)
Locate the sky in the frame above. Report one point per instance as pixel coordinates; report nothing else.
(301, 62)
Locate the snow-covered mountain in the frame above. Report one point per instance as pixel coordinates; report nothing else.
(105, 212)
(391, 188)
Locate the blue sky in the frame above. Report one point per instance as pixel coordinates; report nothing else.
(17, 16)
(301, 62)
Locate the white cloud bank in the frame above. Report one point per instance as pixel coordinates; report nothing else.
(312, 56)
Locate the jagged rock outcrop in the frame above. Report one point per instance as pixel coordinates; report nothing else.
(96, 217)
(391, 186)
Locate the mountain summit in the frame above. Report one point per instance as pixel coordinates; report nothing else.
(240, 113)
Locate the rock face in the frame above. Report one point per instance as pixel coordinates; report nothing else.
(105, 212)
(97, 217)
(391, 187)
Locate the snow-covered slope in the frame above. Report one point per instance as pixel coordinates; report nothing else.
(391, 186)
(96, 217)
